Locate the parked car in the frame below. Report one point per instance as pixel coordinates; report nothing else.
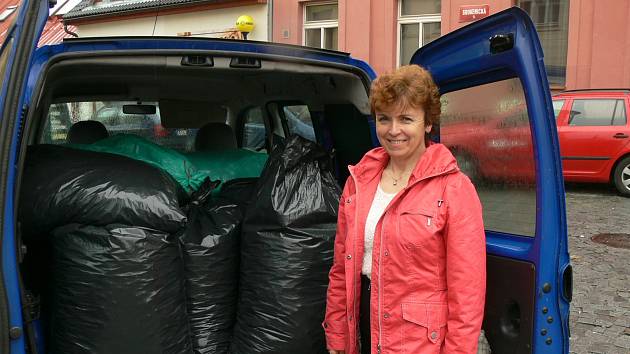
(495, 62)
(594, 133)
(496, 149)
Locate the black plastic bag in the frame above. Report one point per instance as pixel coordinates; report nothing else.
(117, 290)
(62, 185)
(211, 256)
(239, 191)
(286, 253)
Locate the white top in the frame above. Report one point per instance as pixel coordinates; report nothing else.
(380, 202)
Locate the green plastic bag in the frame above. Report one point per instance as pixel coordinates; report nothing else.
(135, 147)
(225, 165)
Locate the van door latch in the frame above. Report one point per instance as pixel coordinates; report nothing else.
(501, 42)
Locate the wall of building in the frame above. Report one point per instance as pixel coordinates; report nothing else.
(598, 53)
(367, 28)
(450, 11)
(599, 44)
(208, 23)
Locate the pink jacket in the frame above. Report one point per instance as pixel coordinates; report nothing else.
(429, 261)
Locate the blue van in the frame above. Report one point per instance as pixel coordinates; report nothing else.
(489, 70)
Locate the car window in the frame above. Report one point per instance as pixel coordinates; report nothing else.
(557, 107)
(299, 121)
(619, 116)
(597, 112)
(487, 129)
(61, 116)
(254, 131)
(114, 119)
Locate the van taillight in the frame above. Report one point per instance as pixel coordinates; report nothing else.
(159, 131)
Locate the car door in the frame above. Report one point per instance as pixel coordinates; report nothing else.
(15, 60)
(593, 134)
(489, 69)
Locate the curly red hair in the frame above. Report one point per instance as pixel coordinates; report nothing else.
(408, 85)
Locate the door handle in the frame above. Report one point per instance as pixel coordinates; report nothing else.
(620, 136)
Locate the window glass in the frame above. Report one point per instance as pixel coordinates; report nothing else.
(61, 116)
(299, 121)
(430, 32)
(254, 131)
(325, 12)
(409, 33)
(557, 107)
(330, 38)
(313, 37)
(592, 112)
(487, 129)
(420, 7)
(551, 18)
(619, 116)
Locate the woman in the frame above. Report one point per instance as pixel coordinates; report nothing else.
(409, 271)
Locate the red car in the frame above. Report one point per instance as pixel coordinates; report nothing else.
(594, 134)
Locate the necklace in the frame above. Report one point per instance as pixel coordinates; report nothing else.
(394, 179)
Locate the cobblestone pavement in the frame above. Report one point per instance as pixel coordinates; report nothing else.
(600, 311)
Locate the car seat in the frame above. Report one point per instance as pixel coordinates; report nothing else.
(86, 132)
(215, 136)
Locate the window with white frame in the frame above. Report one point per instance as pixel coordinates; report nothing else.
(419, 22)
(321, 25)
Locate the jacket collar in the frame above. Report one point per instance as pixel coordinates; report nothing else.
(436, 160)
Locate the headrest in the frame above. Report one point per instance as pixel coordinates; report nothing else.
(86, 132)
(215, 136)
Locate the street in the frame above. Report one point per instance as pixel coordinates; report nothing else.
(600, 311)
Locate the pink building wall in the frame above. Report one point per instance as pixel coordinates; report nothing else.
(367, 28)
(450, 11)
(598, 53)
(599, 44)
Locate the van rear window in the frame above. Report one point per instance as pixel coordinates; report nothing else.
(487, 129)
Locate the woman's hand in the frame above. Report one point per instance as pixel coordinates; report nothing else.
(332, 351)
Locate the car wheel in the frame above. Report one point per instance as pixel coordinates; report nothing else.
(621, 177)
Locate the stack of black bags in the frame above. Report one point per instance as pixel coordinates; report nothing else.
(117, 282)
(140, 267)
(286, 253)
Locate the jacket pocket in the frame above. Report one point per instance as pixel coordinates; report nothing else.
(424, 327)
(418, 226)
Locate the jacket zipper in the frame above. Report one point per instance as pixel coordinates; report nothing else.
(380, 256)
(354, 243)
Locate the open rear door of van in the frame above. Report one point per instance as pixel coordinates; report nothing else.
(15, 60)
(497, 118)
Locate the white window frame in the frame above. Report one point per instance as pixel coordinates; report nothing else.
(410, 19)
(319, 24)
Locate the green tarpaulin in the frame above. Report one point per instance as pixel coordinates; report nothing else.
(189, 170)
(225, 165)
(135, 147)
